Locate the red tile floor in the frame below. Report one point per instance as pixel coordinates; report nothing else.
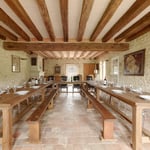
(69, 126)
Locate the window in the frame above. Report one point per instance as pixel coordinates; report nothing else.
(115, 66)
(102, 70)
(72, 70)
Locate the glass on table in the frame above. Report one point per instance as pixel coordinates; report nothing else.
(8, 89)
(14, 88)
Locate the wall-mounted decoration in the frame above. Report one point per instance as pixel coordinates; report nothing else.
(115, 66)
(134, 63)
(33, 61)
(57, 69)
(15, 63)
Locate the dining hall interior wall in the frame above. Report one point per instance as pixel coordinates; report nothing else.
(143, 42)
(6, 74)
(51, 63)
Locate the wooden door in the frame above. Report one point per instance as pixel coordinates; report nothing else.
(88, 69)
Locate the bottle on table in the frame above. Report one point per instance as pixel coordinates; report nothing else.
(105, 81)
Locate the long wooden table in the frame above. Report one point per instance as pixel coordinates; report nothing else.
(7, 102)
(137, 104)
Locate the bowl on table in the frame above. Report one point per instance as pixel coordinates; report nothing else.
(22, 92)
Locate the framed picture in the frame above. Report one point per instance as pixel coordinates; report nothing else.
(33, 61)
(15, 63)
(57, 69)
(134, 63)
(115, 66)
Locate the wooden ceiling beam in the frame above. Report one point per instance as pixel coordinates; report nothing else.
(11, 24)
(82, 54)
(86, 9)
(109, 12)
(78, 54)
(40, 53)
(68, 54)
(143, 31)
(2, 37)
(75, 54)
(135, 28)
(133, 11)
(69, 46)
(64, 18)
(53, 54)
(101, 55)
(89, 54)
(94, 54)
(8, 34)
(58, 54)
(43, 54)
(62, 55)
(46, 18)
(21, 13)
(49, 54)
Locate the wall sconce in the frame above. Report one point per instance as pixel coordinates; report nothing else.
(95, 71)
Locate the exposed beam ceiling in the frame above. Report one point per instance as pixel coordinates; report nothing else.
(2, 37)
(86, 9)
(46, 18)
(138, 26)
(134, 36)
(72, 28)
(8, 34)
(21, 13)
(133, 12)
(109, 12)
(13, 25)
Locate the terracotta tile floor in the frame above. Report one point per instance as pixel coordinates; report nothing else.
(69, 126)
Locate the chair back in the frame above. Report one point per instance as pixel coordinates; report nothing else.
(89, 77)
(63, 78)
(51, 78)
(76, 78)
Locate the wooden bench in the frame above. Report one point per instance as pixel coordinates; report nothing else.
(34, 119)
(108, 118)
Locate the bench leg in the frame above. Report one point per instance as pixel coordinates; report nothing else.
(34, 132)
(108, 128)
(90, 105)
(51, 105)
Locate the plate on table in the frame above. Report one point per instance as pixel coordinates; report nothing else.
(21, 92)
(35, 87)
(118, 91)
(19, 86)
(146, 97)
(2, 91)
(103, 86)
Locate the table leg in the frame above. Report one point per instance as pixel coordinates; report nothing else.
(137, 128)
(43, 94)
(97, 94)
(7, 129)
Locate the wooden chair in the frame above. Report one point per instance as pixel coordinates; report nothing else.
(63, 85)
(51, 78)
(89, 77)
(75, 79)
